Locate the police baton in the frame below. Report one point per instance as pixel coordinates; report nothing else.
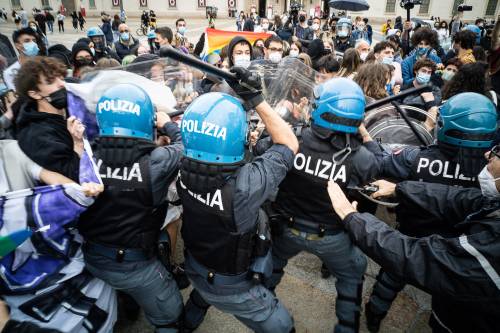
(401, 95)
(172, 53)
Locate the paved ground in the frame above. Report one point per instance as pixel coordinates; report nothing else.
(310, 299)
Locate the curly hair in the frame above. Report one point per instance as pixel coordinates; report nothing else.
(425, 34)
(465, 38)
(469, 78)
(424, 62)
(372, 78)
(31, 72)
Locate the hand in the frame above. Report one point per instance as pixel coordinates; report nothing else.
(439, 67)
(254, 136)
(10, 98)
(248, 87)
(161, 119)
(92, 189)
(75, 128)
(4, 314)
(340, 203)
(396, 89)
(364, 133)
(385, 189)
(427, 96)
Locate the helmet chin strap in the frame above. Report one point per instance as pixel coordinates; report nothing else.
(345, 152)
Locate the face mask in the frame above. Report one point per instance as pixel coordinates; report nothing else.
(315, 26)
(447, 75)
(265, 26)
(422, 50)
(388, 88)
(83, 62)
(302, 18)
(30, 49)
(182, 30)
(275, 57)
(342, 34)
(242, 60)
(388, 60)
(487, 183)
(33, 27)
(363, 56)
(423, 78)
(294, 53)
(58, 99)
(125, 36)
(327, 51)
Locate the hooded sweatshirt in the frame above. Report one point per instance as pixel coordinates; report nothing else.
(236, 40)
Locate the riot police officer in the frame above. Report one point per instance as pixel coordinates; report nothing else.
(227, 245)
(466, 128)
(328, 150)
(122, 228)
(343, 36)
(102, 50)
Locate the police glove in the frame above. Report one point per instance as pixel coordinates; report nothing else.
(248, 86)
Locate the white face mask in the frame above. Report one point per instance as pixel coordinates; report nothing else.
(487, 183)
(265, 26)
(294, 53)
(275, 57)
(242, 60)
(363, 56)
(315, 26)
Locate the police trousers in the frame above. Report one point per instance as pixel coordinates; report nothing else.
(257, 308)
(343, 259)
(384, 292)
(148, 282)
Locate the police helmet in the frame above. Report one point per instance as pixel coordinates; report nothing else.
(94, 31)
(467, 120)
(125, 110)
(339, 106)
(214, 129)
(344, 27)
(476, 30)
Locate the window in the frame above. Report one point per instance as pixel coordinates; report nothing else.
(390, 6)
(455, 6)
(491, 8)
(45, 4)
(16, 4)
(424, 7)
(92, 4)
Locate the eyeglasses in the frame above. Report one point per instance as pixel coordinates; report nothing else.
(495, 151)
(274, 49)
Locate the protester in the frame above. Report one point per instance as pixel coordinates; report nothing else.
(180, 32)
(463, 43)
(350, 64)
(126, 43)
(60, 21)
(386, 26)
(273, 49)
(50, 21)
(423, 70)
(164, 36)
(107, 29)
(425, 42)
(81, 56)
(373, 79)
(363, 48)
(469, 78)
(25, 41)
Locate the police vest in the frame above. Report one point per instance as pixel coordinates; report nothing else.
(432, 166)
(124, 214)
(209, 230)
(303, 193)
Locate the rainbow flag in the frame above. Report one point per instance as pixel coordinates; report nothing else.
(215, 39)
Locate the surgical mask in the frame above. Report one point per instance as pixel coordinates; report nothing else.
(242, 60)
(423, 78)
(33, 27)
(487, 183)
(265, 26)
(125, 36)
(182, 30)
(342, 33)
(388, 88)
(363, 56)
(58, 99)
(315, 26)
(275, 57)
(294, 53)
(30, 49)
(387, 60)
(447, 75)
(422, 50)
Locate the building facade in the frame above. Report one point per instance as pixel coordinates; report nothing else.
(379, 9)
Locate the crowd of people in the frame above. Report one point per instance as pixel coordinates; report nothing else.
(253, 179)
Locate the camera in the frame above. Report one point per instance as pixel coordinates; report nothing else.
(295, 7)
(464, 8)
(409, 4)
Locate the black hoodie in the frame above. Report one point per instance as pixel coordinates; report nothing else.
(236, 40)
(45, 139)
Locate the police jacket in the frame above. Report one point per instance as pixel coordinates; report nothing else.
(461, 273)
(136, 175)
(343, 46)
(220, 217)
(303, 192)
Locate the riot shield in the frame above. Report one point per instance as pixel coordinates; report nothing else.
(388, 127)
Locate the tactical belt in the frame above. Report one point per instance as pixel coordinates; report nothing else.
(215, 278)
(117, 253)
(313, 230)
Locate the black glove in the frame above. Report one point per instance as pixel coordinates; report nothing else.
(248, 87)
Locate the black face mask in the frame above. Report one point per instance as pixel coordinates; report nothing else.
(302, 18)
(84, 62)
(58, 99)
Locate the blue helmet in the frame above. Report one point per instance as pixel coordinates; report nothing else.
(344, 27)
(476, 30)
(151, 34)
(126, 110)
(339, 106)
(214, 129)
(94, 31)
(467, 120)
